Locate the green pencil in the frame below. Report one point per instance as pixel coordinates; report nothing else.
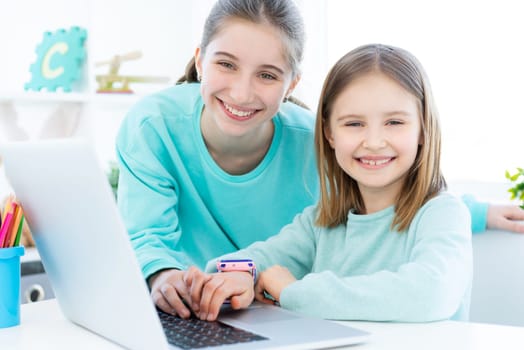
(19, 231)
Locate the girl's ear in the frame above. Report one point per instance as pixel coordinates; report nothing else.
(292, 85)
(198, 61)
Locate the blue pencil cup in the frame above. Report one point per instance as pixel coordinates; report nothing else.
(10, 286)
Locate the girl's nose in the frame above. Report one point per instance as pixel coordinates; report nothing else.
(242, 90)
(374, 139)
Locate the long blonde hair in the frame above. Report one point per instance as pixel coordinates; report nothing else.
(339, 193)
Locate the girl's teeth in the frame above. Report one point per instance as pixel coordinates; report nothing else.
(238, 113)
(375, 162)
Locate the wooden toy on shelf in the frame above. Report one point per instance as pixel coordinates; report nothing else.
(115, 83)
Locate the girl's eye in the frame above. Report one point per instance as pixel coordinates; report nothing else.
(394, 122)
(354, 124)
(267, 76)
(226, 65)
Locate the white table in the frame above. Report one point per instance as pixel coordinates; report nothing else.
(43, 327)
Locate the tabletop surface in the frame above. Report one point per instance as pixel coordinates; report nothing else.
(43, 326)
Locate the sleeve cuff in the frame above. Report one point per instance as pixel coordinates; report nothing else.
(478, 211)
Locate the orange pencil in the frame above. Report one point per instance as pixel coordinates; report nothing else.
(17, 223)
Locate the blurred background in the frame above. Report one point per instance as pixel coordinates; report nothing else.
(472, 51)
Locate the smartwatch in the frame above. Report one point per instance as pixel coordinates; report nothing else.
(228, 265)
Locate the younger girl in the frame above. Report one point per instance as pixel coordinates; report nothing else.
(385, 242)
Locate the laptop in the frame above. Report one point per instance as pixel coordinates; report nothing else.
(90, 262)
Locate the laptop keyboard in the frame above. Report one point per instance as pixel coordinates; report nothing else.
(194, 333)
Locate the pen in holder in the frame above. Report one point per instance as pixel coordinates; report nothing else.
(10, 286)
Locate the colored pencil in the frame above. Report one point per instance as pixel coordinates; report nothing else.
(16, 225)
(8, 222)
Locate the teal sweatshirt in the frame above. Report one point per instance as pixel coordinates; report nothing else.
(180, 208)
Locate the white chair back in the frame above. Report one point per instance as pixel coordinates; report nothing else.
(498, 278)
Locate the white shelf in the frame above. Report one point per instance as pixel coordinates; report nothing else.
(57, 114)
(66, 97)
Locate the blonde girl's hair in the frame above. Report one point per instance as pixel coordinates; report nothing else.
(339, 193)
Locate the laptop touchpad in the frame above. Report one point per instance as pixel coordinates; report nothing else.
(257, 314)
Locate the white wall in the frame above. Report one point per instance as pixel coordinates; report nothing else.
(474, 55)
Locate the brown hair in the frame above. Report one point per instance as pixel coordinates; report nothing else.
(339, 193)
(282, 14)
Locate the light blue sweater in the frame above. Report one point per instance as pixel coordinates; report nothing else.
(364, 271)
(180, 208)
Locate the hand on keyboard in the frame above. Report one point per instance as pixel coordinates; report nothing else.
(169, 292)
(208, 292)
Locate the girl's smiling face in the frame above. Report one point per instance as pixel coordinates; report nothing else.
(375, 130)
(245, 76)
